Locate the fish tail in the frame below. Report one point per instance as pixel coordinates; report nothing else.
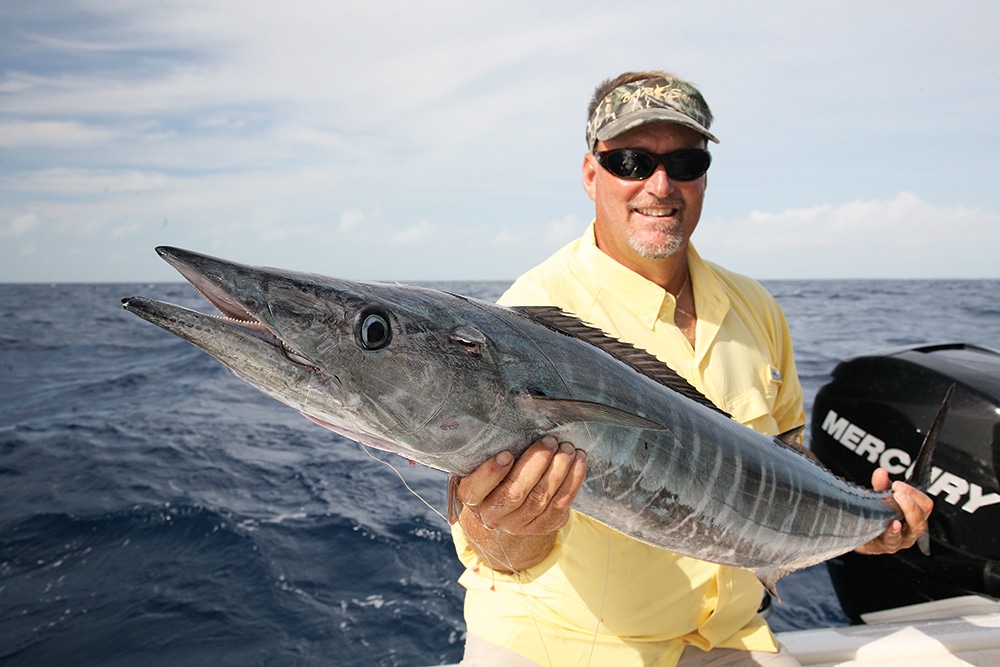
(920, 474)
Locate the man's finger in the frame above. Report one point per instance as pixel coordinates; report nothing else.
(536, 505)
(915, 509)
(557, 510)
(528, 470)
(474, 488)
(880, 479)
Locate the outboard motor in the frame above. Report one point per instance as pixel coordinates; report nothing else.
(874, 413)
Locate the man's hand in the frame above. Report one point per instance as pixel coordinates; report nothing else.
(513, 509)
(916, 507)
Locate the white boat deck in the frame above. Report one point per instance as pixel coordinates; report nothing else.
(946, 633)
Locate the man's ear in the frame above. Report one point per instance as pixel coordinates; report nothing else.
(590, 167)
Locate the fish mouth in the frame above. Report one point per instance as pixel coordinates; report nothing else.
(229, 307)
(244, 336)
(206, 274)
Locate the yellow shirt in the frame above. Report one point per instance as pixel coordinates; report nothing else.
(600, 597)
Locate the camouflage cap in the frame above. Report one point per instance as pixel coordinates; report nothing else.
(650, 100)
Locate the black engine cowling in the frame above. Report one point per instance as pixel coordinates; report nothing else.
(875, 412)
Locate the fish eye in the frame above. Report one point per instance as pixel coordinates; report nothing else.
(373, 330)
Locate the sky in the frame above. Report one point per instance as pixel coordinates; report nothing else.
(440, 140)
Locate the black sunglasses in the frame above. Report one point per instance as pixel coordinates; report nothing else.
(634, 164)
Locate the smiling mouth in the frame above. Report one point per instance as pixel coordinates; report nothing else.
(657, 212)
(668, 207)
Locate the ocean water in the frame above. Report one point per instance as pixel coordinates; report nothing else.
(155, 510)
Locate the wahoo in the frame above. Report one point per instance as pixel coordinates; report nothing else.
(449, 381)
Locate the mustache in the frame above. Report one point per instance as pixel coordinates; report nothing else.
(670, 201)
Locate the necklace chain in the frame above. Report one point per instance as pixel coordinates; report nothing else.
(680, 292)
(677, 297)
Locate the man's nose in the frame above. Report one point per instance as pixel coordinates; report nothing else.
(659, 184)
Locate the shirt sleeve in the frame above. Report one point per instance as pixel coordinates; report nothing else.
(526, 292)
(788, 412)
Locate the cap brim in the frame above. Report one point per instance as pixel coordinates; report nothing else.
(644, 116)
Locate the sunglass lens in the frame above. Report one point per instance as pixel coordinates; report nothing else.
(687, 165)
(630, 164)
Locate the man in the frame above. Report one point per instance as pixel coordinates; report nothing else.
(548, 586)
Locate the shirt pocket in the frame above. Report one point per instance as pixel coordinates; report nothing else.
(751, 408)
(770, 382)
(754, 406)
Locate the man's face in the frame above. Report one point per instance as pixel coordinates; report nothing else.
(649, 219)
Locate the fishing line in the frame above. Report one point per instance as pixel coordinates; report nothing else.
(604, 598)
(590, 437)
(527, 598)
(401, 479)
(607, 557)
(506, 557)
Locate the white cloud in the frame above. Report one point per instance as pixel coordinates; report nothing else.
(905, 221)
(446, 138)
(63, 181)
(351, 219)
(562, 231)
(21, 133)
(904, 236)
(18, 225)
(552, 234)
(413, 234)
(124, 231)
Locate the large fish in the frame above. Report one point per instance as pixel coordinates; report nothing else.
(449, 381)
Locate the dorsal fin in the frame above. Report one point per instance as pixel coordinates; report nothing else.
(639, 359)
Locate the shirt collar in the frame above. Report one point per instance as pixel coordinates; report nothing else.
(641, 297)
(648, 301)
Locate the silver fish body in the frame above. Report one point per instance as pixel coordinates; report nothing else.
(448, 382)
